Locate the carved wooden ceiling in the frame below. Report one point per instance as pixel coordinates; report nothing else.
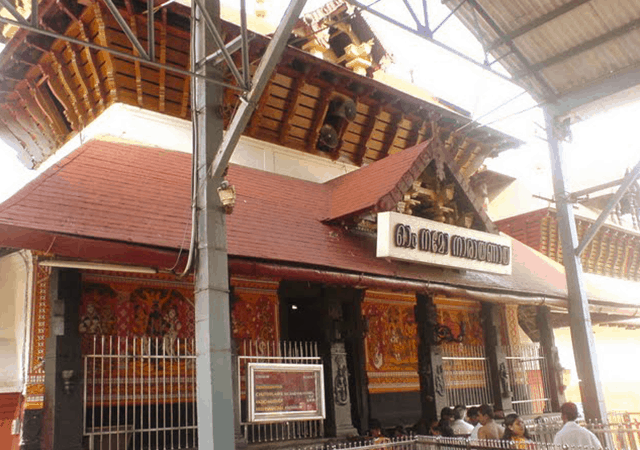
(51, 89)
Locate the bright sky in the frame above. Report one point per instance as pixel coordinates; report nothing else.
(603, 147)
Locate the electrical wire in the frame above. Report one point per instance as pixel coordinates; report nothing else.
(194, 163)
(489, 112)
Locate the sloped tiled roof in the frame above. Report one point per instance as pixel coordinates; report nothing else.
(113, 197)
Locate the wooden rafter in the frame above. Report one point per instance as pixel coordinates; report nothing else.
(256, 119)
(417, 125)
(82, 79)
(365, 138)
(27, 141)
(628, 242)
(186, 86)
(38, 115)
(392, 130)
(65, 78)
(134, 28)
(318, 119)
(291, 106)
(57, 89)
(45, 102)
(31, 124)
(163, 60)
(102, 39)
(44, 141)
(91, 58)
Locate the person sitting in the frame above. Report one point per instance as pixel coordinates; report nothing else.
(459, 426)
(375, 432)
(490, 429)
(571, 434)
(472, 418)
(444, 428)
(515, 431)
(446, 414)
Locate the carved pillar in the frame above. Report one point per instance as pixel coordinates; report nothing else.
(496, 358)
(432, 383)
(336, 372)
(63, 406)
(550, 352)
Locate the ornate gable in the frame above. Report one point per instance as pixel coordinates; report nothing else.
(421, 182)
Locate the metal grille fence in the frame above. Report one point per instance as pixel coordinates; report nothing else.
(529, 378)
(466, 375)
(276, 352)
(140, 394)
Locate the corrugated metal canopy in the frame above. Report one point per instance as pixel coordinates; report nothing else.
(573, 54)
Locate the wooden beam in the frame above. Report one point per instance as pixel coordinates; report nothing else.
(393, 127)
(65, 78)
(44, 100)
(186, 87)
(38, 116)
(103, 41)
(28, 143)
(163, 60)
(257, 114)
(344, 129)
(81, 77)
(365, 139)
(57, 90)
(415, 131)
(12, 141)
(45, 143)
(134, 29)
(91, 59)
(318, 119)
(292, 106)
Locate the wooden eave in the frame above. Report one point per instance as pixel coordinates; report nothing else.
(50, 90)
(613, 252)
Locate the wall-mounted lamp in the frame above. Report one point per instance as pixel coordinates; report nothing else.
(227, 195)
(68, 377)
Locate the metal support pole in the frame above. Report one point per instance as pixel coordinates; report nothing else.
(263, 73)
(215, 400)
(584, 348)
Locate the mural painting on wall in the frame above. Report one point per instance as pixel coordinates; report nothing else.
(391, 343)
(149, 323)
(34, 398)
(255, 320)
(464, 320)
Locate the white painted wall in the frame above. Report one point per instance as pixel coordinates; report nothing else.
(15, 298)
(138, 126)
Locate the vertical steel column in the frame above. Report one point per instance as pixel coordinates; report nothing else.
(582, 338)
(213, 341)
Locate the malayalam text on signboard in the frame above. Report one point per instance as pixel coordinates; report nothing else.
(281, 392)
(424, 241)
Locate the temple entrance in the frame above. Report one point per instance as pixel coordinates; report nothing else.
(326, 315)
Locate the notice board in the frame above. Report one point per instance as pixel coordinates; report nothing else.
(283, 392)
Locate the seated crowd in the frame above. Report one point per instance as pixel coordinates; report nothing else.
(481, 423)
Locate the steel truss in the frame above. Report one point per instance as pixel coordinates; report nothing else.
(147, 56)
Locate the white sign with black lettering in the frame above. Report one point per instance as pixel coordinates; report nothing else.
(424, 241)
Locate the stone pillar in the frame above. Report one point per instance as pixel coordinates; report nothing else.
(433, 394)
(550, 352)
(496, 358)
(336, 372)
(63, 405)
(31, 438)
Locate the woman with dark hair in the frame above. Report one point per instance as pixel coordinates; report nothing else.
(515, 431)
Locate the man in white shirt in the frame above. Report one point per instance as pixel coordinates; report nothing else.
(459, 426)
(572, 434)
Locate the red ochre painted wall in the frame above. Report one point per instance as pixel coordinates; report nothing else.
(8, 412)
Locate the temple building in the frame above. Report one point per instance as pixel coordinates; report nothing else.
(360, 254)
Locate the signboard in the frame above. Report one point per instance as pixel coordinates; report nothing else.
(283, 392)
(424, 241)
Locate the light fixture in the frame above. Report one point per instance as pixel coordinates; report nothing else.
(68, 264)
(294, 307)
